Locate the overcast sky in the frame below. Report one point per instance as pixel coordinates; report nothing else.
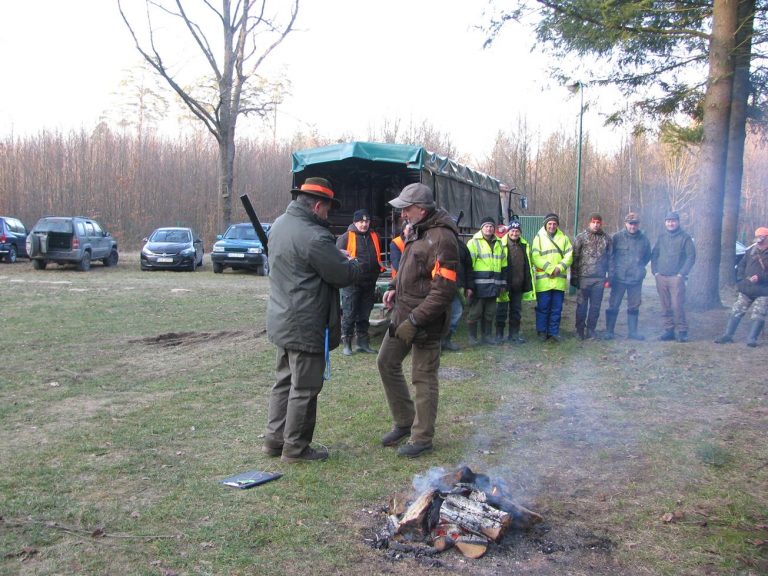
(352, 64)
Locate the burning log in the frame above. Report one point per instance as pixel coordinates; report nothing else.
(522, 518)
(474, 516)
(414, 519)
(472, 545)
(444, 535)
(460, 509)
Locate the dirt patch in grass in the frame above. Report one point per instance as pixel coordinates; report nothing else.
(172, 339)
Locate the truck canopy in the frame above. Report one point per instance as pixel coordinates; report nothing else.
(369, 174)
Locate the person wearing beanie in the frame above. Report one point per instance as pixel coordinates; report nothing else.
(631, 254)
(551, 255)
(357, 300)
(592, 251)
(752, 284)
(672, 258)
(520, 281)
(489, 270)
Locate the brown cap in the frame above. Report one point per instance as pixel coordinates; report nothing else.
(632, 218)
(414, 194)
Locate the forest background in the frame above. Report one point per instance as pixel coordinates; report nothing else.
(133, 179)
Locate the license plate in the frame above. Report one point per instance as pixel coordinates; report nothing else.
(164, 260)
(236, 255)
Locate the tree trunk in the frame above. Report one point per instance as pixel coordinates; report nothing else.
(736, 137)
(704, 285)
(226, 177)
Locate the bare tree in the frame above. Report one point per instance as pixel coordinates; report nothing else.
(248, 33)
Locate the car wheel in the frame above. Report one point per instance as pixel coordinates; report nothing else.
(111, 260)
(10, 258)
(193, 266)
(218, 268)
(39, 264)
(264, 269)
(85, 262)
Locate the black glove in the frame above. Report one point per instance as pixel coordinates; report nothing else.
(406, 331)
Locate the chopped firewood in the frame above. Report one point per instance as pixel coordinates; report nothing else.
(472, 545)
(444, 535)
(398, 504)
(393, 525)
(414, 518)
(474, 516)
(522, 518)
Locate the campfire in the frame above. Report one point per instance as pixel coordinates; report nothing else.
(462, 509)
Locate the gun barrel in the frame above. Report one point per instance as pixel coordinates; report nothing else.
(255, 221)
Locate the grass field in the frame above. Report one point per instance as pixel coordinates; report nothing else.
(126, 396)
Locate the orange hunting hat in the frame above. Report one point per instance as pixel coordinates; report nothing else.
(318, 187)
(762, 231)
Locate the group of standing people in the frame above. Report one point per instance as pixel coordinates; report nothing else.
(435, 275)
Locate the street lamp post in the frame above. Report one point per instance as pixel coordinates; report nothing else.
(580, 87)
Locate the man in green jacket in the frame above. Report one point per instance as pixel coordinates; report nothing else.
(672, 258)
(303, 316)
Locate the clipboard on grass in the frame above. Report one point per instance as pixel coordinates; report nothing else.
(250, 479)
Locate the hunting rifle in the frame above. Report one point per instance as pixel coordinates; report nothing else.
(255, 221)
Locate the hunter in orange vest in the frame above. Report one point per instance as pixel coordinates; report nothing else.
(357, 301)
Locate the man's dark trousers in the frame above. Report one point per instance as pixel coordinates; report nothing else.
(356, 304)
(588, 301)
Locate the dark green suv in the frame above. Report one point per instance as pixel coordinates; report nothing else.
(70, 240)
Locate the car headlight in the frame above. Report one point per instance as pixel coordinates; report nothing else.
(147, 251)
(217, 248)
(188, 252)
(255, 250)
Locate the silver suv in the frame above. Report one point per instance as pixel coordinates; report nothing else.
(70, 240)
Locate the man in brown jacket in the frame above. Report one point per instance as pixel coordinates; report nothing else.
(421, 296)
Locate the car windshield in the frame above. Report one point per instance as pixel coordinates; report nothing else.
(170, 236)
(241, 233)
(54, 225)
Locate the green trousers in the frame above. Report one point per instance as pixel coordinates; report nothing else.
(420, 412)
(293, 401)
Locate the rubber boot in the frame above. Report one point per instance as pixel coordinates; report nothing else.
(515, 337)
(668, 335)
(632, 318)
(682, 336)
(487, 337)
(499, 334)
(472, 333)
(730, 330)
(364, 346)
(580, 332)
(447, 344)
(754, 332)
(610, 324)
(347, 342)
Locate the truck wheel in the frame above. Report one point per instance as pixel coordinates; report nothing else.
(111, 260)
(85, 262)
(218, 268)
(39, 264)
